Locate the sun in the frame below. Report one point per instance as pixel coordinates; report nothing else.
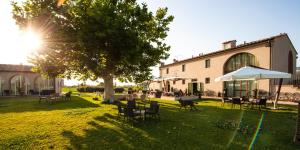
(31, 41)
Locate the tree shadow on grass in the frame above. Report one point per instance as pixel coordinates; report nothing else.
(31, 104)
(107, 132)
(185, 130)
(176, 130)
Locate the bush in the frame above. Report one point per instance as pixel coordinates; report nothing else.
(119, 90)
(90, 89)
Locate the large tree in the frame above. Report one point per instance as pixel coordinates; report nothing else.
(91, 39)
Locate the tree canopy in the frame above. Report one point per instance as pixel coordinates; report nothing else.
(96, 38)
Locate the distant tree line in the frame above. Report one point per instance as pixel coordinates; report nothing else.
(90, 89)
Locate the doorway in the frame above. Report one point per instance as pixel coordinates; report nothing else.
(195, 89)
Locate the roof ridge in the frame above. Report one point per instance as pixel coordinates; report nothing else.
(238, 46)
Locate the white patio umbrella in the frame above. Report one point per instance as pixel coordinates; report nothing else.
(252, 73)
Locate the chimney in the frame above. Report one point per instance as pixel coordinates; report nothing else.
(175, 60)
(229, 44)
(162, 64)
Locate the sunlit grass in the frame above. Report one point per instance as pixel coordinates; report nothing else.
(86, 124)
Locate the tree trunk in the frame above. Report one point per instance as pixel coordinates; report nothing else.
(278, 93)
(108, 89)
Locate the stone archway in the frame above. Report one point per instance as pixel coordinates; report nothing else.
(19, 85)
(41, 83)
(239, 88)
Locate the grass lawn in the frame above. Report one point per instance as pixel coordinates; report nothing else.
(86, 124)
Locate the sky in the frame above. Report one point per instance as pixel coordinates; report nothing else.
(200, 26)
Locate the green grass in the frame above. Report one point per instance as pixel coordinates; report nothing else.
(85, 124)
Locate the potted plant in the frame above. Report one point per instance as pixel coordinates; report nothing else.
(158, 94)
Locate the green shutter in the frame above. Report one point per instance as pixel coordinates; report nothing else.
(190, 88)
(200, 87)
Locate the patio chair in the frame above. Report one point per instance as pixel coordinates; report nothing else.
(236, 101)
(225, 100)
(121, 111)
(185, 103)
(262, 102)
(54, 97)
(153, 111)
(131, 104)
(68, 96)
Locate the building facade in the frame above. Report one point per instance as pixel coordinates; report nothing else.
(20, 80)
(275, 53)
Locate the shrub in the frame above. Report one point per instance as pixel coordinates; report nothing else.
(90, 89)
(119, 90)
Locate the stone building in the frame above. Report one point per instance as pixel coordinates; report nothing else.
(20, 80)
(275, 53)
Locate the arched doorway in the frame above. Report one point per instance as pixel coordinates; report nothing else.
(43, 84)
(19, 85)
(168, 86)
(290, 63)
(239, 88)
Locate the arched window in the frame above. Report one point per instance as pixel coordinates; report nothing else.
(290, 63)
(239, 88)
(239, 60)
(19, 85)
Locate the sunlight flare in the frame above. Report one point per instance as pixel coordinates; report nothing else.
(31, 41)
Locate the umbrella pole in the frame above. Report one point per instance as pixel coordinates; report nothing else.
(278, 93)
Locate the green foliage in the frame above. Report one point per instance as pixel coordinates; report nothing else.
(242, 127)
(96, 38)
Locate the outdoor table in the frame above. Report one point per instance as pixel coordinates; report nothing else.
(253, 101)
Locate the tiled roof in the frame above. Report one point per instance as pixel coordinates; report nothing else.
(18, 68)
(226, 50)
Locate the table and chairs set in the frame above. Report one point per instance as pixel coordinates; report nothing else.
(245, 101)
(51, 98)
(138, 110)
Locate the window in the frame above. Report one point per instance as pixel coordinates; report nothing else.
(183, 68)
(239, 88)
(183, 81)
(207, 80)
(174, 82)
(167, 71)
(207, 63)
(239, 60)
